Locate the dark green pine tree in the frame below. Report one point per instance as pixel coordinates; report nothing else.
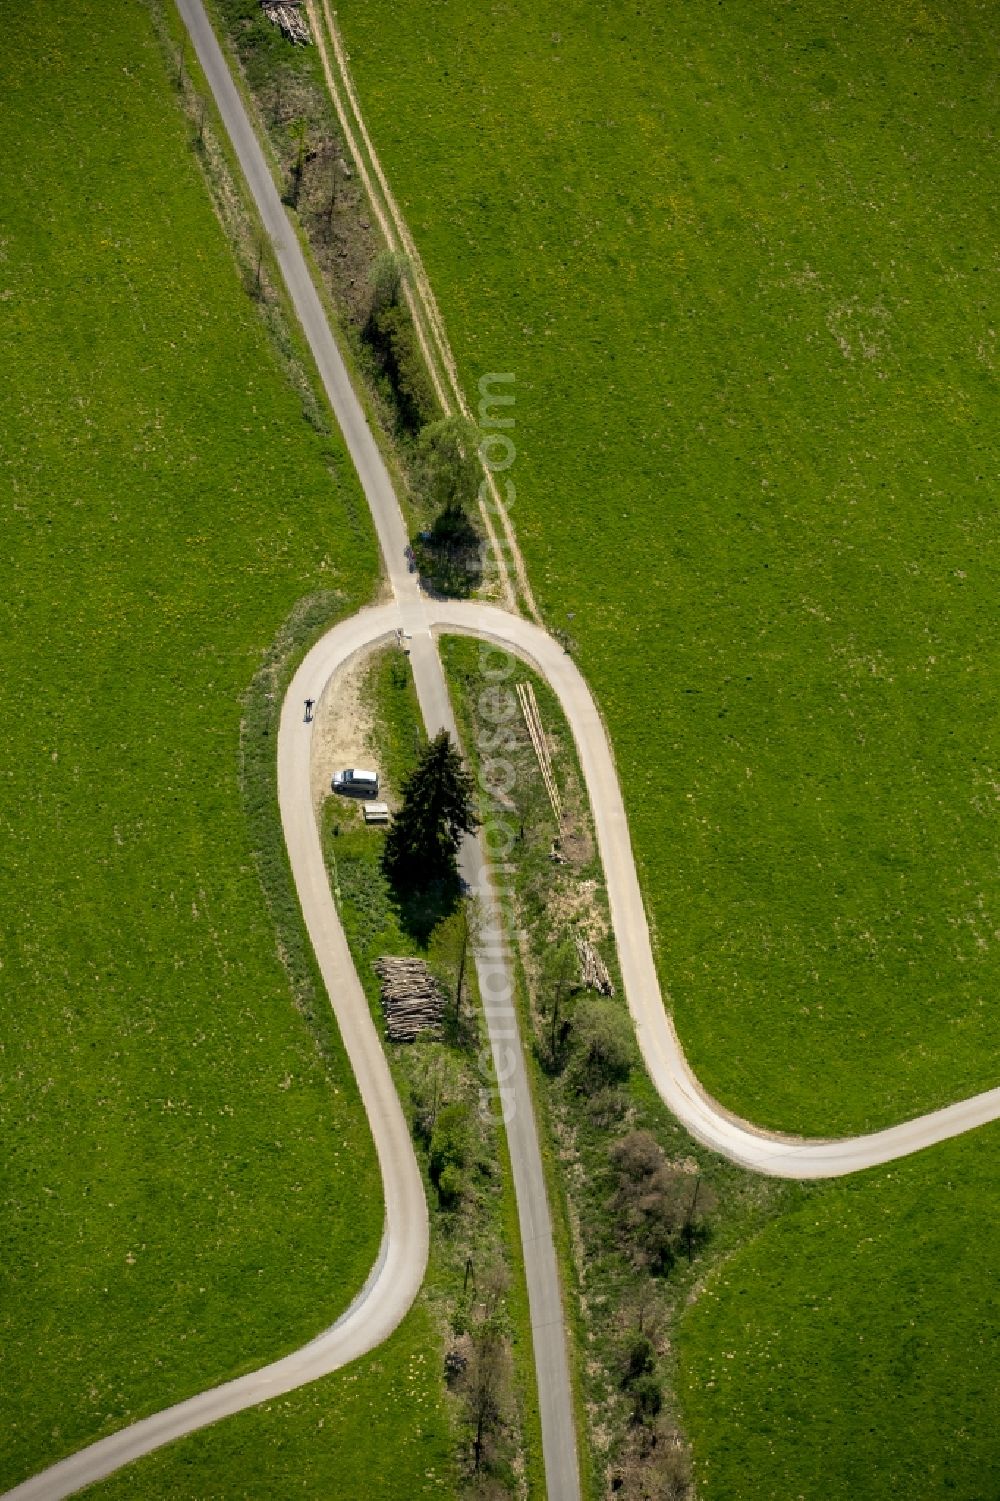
(438, 808)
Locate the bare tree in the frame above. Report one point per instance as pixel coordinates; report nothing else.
(692, 1220)
(561, 977)
(657, 1467)
(494, 1286)
(650, 1203)
(451, 945)
(487, 1386)
(299, 134)
(642, 1312)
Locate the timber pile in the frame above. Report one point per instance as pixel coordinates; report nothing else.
(533, 721)
(285, 14)
(593, 970)
(412, 1000)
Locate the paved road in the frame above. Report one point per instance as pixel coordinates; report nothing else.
(396, 1276)
(541, 1271)
(736, 1139)
(739, 1140)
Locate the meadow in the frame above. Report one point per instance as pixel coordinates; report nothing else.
(380, 1417)
(189, 1187)
(742, 275)
(741, 263)
(850, 1349)
(387, 1424)
(829, 1341)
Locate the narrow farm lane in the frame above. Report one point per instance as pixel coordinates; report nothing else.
(396, 1277)
(541, 1269)
(398, 1273)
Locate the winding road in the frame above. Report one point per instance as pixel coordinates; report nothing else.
(396, 1277)
(739, 1140)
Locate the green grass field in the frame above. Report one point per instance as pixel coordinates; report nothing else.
(375, 1428)
(743, 272)
(741, 262)
(840, 1341)
(188, 1188)
(892, 1276)
(385, 1426)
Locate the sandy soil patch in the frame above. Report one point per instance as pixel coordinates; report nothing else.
(343, 732)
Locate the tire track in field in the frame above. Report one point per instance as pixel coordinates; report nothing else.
(421, 301)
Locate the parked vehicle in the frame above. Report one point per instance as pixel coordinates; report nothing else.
(356, 783)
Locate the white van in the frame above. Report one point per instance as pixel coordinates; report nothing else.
(356, 783)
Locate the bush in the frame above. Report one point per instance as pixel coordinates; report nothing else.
(435, 1082)
(603, 1046)
(448, 471)
(386, 275)
(651, 1202)
(657, 1207)
(449, 1152)
(640, 1357)
(607, 1106)
(451, 1186)
(390, 335)
(637, 1156)
(647, 1398)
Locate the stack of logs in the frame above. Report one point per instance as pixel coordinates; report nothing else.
(412, 999)
(593, 970)
(285, 13)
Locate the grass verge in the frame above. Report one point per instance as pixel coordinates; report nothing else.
(179, 1156)
(850, 1350)
(375, 1428)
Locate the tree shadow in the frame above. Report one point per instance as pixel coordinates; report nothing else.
(450, 556)
(421, 905)
(390, 335)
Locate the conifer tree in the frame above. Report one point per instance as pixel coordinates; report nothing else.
(438, 809)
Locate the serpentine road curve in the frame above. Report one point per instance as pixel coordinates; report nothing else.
(739, 1140)
(398, 1272)
(397, 1275)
